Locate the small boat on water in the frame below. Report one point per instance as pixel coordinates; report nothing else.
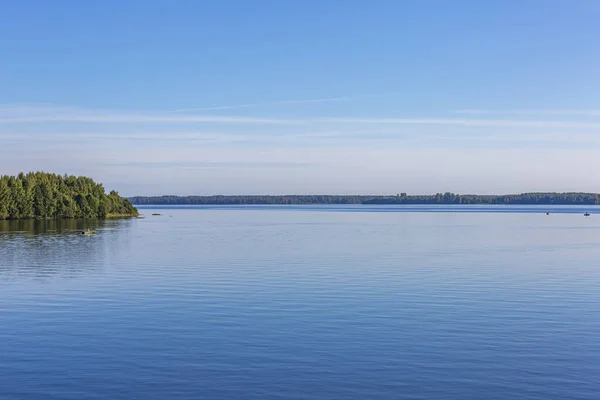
(586, 214)
(88, 232)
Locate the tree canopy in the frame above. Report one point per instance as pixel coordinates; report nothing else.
(40, 195)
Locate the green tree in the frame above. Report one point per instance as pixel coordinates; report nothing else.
(41, 195)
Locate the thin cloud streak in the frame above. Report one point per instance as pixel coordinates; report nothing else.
(18, 115)
(209, 164)
(142, 119)
(502, 123)
(267, 121)
(590, 113)
(273, 103)
(286, 102)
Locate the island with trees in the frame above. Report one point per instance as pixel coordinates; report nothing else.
(40, 195)
(401, 198)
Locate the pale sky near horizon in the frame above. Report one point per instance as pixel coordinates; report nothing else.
(272, 97)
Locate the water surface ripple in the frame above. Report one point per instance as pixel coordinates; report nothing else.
(303, 303)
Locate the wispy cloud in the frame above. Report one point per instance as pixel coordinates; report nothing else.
(273, 103)
(142, 119)
(209, 164)
(28, 114)
(590, 113)
(287, 102)
(479, 122)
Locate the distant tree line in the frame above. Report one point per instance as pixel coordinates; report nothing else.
(40, 195)
(524, 198)
(252, 199)
(403, 198)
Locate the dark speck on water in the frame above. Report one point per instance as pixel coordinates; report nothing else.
(304, 302)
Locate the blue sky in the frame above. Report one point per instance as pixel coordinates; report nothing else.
(240, 97)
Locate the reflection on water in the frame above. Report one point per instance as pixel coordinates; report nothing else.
(47, 248)
(49, 226)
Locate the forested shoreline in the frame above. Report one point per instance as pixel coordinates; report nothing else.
(520, 199)
(247, 200)
(439, 198)
(40, 195)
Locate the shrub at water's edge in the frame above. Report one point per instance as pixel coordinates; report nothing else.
(40, 195)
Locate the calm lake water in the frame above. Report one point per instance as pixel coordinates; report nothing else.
(308, 302)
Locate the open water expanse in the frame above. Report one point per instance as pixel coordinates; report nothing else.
(305, 302)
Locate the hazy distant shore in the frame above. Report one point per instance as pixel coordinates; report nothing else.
(439, 198)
